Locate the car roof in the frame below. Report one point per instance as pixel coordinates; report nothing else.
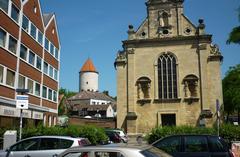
(60, 137)
(106, 147)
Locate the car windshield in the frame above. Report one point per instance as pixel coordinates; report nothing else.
(154, 152)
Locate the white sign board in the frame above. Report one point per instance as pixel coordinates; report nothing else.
(22, 102)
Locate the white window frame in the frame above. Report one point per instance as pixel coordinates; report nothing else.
(14, 84)
(25, 81)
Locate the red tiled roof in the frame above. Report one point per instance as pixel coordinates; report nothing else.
(88, 66)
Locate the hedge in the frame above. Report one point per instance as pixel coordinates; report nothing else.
(227, 131)
(94, 134)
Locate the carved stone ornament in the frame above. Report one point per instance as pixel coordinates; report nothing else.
(121, 55)
(214, 49)
(130, 51)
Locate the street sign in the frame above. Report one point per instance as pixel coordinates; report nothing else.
(22, 102)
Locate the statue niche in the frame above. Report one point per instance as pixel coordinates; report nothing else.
(190, 86)
(143, 88)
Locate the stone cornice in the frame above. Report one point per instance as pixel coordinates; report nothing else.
(180, 40)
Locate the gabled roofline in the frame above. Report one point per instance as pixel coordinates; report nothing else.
(40, 8)
(55, 22)
(189, 21)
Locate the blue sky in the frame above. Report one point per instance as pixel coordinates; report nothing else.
(95, 29)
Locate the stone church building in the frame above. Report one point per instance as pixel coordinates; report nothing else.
(168, 72)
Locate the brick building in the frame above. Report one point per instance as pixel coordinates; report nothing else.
(29, 59)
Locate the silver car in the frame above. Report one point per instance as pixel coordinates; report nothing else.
(113, 151)
(43, 146)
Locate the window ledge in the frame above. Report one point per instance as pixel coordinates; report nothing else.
(191, 99)
(175, 100)
(143, 101)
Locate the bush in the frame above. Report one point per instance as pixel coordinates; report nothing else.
(161, 132)
(94, 134)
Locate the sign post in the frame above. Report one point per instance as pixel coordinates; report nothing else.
(22, 103)
(218, 115)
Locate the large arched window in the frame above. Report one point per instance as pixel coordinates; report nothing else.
(167, 77)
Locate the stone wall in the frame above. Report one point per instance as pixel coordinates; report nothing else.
(105, 123)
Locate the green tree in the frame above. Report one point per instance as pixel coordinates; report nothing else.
(64, 94)
(231, 91)
(234, 36)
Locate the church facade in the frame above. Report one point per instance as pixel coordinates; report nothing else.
(168, 72)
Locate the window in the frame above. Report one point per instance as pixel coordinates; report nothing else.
(168, 119)
(33, 31)
(12, 46)
(80, 154)
(45, 68)
(52, 49)
(21, 82)
(23, 52)
(167, 77)
(44, 92)
(49, 143)
(31, 144)
(46, 44)
(54, 96)
(30, 86)
(31, 58)
(49, 94)
(196, 144)
(39, 63)
(169, 144)
(37, 89)
(2, 38)
(1, 74)
(50, 71)
(40, 37)
(25, 23)
(65, 143)
(4, 5)
(10, 78)
(55, 74)
(56, 53)
(15, 13)
(106, 154)
(217, 144)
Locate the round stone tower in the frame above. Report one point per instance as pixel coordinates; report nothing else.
(88, 77)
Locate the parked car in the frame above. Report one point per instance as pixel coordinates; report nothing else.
(121, 133)
(43, 146)
(108, 151)
(194, 146)
(113, 136)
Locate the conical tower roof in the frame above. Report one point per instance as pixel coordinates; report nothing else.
(88, 66)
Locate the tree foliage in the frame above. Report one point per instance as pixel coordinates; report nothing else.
(234, 36)
(231, 90)
(65, 95)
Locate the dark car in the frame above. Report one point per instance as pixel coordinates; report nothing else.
(194, 146)
(113, 136)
